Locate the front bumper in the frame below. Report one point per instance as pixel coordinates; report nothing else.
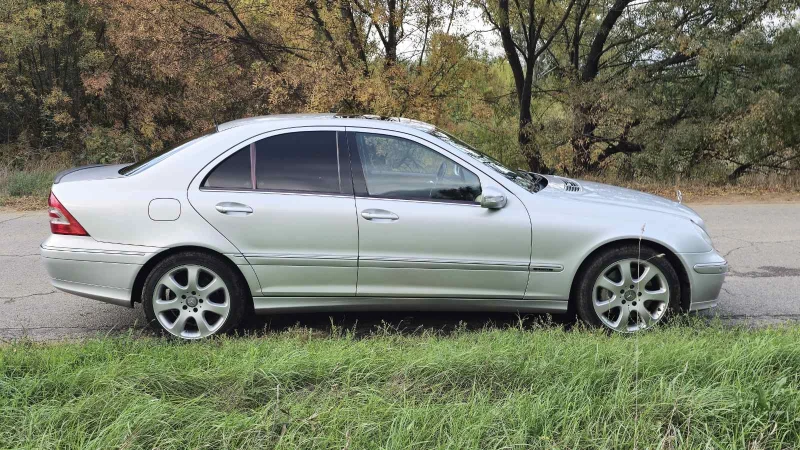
(706, 273)
(83, 266)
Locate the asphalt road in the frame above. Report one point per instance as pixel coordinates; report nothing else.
(760, 241)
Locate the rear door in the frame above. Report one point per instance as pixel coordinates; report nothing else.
(285, 200)
(422, 231)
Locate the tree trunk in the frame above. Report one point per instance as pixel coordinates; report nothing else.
(391, 35)
(532, 155)
(584, 127)
(582, 132)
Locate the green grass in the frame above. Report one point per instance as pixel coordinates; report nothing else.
(695, 386)
(26, 183)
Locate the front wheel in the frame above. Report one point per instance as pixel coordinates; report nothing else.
(627, 289)
(193, 295)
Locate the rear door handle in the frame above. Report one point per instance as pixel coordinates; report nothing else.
(234, 209)
(378, 214)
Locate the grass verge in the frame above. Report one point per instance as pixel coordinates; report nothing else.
(693, 387)
(25, 190)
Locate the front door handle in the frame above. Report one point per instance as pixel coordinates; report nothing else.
(378, 214)
(234, 209)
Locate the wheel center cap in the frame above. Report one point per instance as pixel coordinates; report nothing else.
(191, 301)
(630, 295)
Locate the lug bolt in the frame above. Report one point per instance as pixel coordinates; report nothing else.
(195, 293)
(622, 291)
(640, 294)
(634, 303)
(201, 300)
(631, 288)
(183, 296)
(184, 306)
(195, 310)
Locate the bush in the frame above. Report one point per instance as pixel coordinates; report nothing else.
(31, 183)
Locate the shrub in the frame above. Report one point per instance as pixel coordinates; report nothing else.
(21, 183)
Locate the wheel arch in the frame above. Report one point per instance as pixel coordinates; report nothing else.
(669, 254)
(141, 276)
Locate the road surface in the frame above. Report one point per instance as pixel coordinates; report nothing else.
(760, 241)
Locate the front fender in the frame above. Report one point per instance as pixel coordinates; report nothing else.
(564, 235)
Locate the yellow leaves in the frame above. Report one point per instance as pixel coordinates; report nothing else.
(96, 84)
(56, 99)
(148, 130)
(63, 119)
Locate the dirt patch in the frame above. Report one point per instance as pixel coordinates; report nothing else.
(25, 203)
(739, 199)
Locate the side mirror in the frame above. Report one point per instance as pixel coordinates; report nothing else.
(493, 198)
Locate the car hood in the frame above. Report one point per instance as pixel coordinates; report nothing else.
(599, 193)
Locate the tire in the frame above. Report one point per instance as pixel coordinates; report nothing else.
(193, 295)
(655, 294)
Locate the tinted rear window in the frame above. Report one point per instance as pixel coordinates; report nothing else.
(305, 162)
(232, 173)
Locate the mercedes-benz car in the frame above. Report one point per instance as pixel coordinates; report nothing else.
(296, 213)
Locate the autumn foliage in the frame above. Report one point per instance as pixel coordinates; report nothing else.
(646, 89)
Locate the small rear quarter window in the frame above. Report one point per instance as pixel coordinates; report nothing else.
(232, 173)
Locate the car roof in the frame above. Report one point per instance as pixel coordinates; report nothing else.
(320, 118)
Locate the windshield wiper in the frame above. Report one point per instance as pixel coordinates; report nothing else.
(537, 181)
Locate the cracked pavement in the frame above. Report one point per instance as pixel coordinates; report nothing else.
(760, 241)
(762, 245)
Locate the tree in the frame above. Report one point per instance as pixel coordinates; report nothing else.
(527, 30)
(621, 49)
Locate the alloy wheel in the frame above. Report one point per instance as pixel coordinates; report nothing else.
(191, 302)
(630, 295)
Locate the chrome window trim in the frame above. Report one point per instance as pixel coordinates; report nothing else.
(439, 202)
(267, 191)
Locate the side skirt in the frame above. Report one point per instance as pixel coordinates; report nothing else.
(266, 305)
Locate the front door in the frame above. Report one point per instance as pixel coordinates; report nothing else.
(286, 202)
(422, 231)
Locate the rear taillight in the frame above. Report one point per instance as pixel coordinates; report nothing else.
(61, 221)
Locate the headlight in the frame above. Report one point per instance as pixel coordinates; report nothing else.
(704, 234)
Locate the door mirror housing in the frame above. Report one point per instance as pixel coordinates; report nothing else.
(493, 198)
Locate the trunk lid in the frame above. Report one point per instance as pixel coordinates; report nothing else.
(86, 173)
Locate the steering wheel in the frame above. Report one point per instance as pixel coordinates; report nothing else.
(439, 175)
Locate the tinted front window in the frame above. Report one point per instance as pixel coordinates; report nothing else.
(400, 168)
(305, 162)
(233, 173)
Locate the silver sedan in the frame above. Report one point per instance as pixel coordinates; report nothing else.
(327, 212)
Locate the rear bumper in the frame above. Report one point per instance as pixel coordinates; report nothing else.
(82, 266)
(706, 274)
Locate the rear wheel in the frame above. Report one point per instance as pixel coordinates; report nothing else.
(627, 289)
(193, 295)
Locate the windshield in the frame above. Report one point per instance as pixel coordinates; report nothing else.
(147, 163)
(528, 180)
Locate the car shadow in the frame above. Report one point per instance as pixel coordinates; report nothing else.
(363, 324)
